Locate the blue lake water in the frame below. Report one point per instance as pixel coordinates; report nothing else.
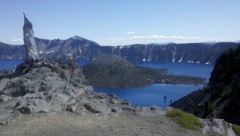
(9, 64)
(154, 94)
(151, 94)
(190, 69)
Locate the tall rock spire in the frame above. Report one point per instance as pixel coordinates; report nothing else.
(29, 41)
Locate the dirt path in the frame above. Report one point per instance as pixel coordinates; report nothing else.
(68, 124)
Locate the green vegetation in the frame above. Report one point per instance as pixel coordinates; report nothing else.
(236, 129)
(210, 107)
(114, 71)
(226, 93)
(186, 120)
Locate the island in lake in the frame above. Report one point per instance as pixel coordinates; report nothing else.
(115, 71)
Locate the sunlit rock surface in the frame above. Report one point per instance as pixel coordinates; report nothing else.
(29, 40)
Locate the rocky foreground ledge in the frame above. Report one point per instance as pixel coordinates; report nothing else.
(53, 85)
(54, 90)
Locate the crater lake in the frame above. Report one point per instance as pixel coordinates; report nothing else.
(151, 94)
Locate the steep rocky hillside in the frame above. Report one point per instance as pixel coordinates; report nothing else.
(189, 52)
(114, 71)
(221, 97)
(83, 49)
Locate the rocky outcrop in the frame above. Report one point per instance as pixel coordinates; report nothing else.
(29, 40)
(42, 86)
(218, 126)
(48, 86)
(220, 98)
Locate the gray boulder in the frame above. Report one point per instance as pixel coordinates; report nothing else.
(30, 106)
(96, 106)
(218, 126)
(3, 83)
(117, 109)
(71, 107)
(128, 108)
(4, 98)
(58, 101)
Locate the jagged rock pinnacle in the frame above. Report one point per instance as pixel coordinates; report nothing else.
(29, 41)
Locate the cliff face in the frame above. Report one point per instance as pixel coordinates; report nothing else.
(191, 52)
(221, 97)
(83, 49)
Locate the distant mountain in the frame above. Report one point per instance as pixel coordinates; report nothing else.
(114, 71)
(8, 51)
(75, 47)
(83, 49)
(220, 99)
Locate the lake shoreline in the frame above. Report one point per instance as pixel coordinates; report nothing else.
(151, 94)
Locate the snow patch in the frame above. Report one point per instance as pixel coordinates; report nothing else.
(190, 61)
(47, 52)
(180, 60)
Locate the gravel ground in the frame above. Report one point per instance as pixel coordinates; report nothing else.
(69, 124)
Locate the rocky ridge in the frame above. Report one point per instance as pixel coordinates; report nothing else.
(82, 49)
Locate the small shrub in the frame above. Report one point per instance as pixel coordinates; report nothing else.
(226, 93)
(186, 120)
(209, 107)
(236, 129)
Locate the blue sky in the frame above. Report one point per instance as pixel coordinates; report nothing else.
(120, 22)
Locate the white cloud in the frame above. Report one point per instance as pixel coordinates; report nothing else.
(17, 41)
(150, 39)
(163, 37)
(130, 32)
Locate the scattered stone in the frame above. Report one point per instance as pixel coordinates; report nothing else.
(71, 108)
(4, 98)
(128, 108)
(96, 106)
(58, 101)
(117, 109)
(31, 106)
(125, 102)
(3, 83)
(218, 126)
(150, 111)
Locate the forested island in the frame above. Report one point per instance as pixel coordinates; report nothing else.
(114, 71)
